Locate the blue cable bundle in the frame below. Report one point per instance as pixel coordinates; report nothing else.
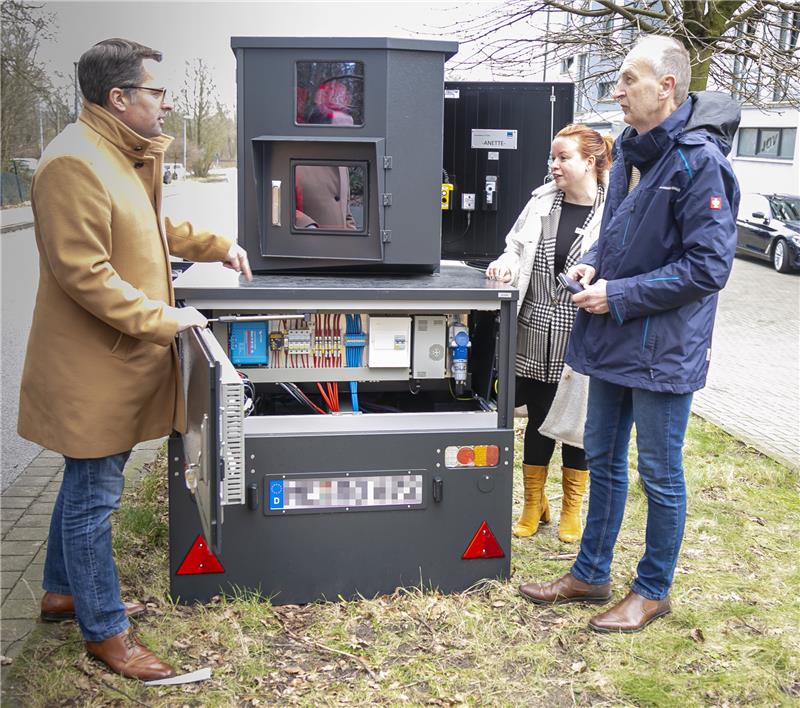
(354, 342)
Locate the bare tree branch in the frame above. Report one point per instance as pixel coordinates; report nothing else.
(749, 47)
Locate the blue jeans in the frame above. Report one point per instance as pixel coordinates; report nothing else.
(79, 558)
(661, 420)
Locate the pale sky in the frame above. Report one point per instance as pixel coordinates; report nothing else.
(186, 30)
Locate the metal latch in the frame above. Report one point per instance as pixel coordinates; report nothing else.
(438, 489)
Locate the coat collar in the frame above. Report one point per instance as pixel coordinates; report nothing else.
(119, 134)
(646, 147)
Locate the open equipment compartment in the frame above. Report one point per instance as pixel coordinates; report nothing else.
(349, 503)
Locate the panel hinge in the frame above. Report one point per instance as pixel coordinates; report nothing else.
(386, 235)
(386, 199)
(387, 162)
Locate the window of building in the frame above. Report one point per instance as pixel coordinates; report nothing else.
(566, 64)
(775, 143)
(581, 99)
(605, 90)
(329, 197)
(330, 93)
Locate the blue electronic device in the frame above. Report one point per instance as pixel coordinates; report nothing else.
(248, 343)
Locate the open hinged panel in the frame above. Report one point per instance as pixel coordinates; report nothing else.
(321, 198)
(213, 444)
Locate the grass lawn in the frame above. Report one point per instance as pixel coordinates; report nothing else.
(732, 638)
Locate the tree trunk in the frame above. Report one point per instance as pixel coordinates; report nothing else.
(701, 61)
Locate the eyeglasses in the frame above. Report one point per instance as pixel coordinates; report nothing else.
(160, 92)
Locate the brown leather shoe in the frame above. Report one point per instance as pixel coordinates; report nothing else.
(633, 614)
(566, 589)
(59, 608)
(124, 654)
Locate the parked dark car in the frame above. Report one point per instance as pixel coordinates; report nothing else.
(769, 228)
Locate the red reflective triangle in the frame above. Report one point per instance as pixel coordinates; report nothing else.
(483, 545)
(200, 560)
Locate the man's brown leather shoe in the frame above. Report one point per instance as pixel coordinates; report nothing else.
(633, 614)
(58, 608)
(566, 589)
(124, 654)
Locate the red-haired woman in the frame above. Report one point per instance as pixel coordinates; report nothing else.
(560, 222)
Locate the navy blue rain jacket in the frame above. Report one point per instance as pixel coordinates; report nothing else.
(666, 250)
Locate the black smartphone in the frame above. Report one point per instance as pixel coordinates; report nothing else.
(572, 285)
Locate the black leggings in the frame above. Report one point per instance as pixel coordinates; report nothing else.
(538, 396)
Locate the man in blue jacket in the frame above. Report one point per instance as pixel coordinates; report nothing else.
(643, 333)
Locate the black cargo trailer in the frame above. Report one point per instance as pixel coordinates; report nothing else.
(497, 139)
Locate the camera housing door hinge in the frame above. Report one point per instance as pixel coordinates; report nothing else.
(386, 235)
(387, 162)
(386, 199)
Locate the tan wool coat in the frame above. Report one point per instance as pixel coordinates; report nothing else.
(101, 372)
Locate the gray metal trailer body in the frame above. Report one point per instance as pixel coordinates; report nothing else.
(323, 548)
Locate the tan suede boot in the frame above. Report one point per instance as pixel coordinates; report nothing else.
(573, 483)
(536, 507)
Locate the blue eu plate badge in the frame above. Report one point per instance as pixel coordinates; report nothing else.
(276, 494)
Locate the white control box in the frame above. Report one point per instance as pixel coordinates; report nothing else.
(389, 342)
(430, 347)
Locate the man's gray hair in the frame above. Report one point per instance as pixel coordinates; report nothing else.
(667, 55)
(112, 63)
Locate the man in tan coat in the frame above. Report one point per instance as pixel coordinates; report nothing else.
(101, 372)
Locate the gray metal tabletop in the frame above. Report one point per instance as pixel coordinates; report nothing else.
(455, 280)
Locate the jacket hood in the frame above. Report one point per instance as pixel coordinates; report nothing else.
(716, 113)
(704, 116)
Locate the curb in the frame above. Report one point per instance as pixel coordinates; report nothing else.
(16, 227)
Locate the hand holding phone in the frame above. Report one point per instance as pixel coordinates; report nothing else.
(571, 285)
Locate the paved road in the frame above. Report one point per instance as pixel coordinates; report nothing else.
(20, 274)
(210, 205)
(753, 388)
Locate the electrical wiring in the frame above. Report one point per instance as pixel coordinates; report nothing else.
(484, 404)
(325, 397)
(333, 392)
(330, 395)
(460, 236)
(354, 342)
(300, 397)
(249, 394)
(353, 395)
(308, 401)
(289, 390)
(453, 393)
